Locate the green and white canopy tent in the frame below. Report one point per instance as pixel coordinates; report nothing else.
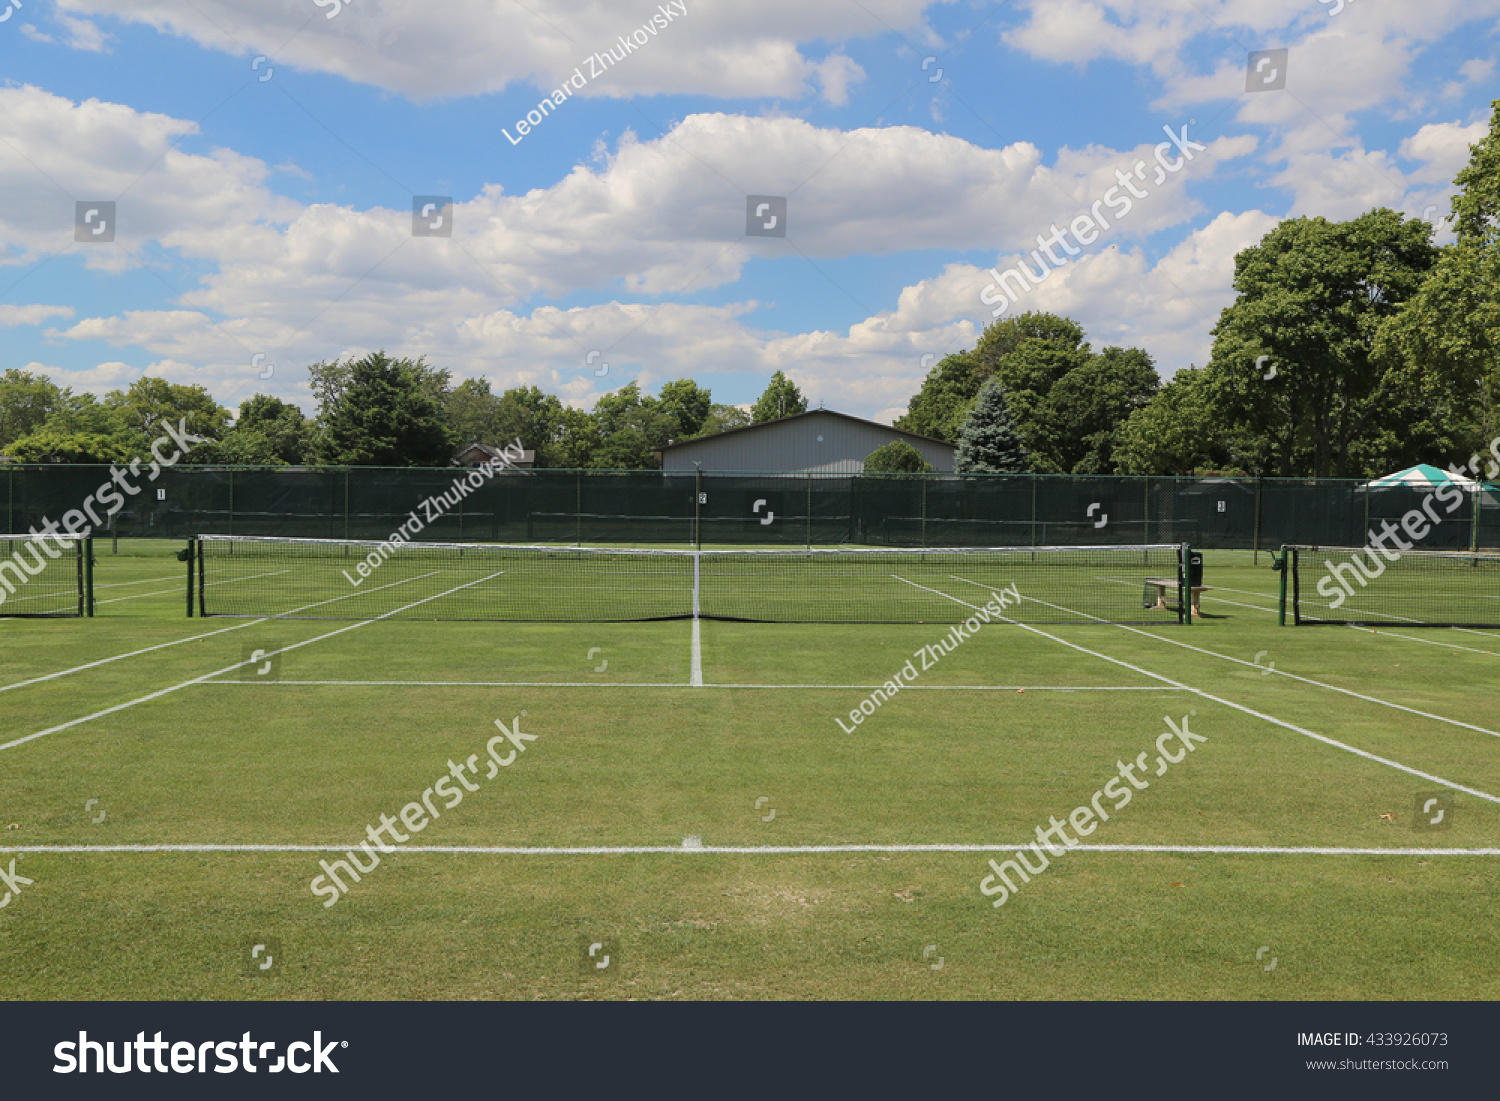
(1424, 476)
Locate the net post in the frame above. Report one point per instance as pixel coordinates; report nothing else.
(1185, 586)
(924, 510)
(87, 547)
(1286, 565)
(1478, 492)
(191, 550)
(198, 546)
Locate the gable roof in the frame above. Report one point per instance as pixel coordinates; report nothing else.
(811, 413)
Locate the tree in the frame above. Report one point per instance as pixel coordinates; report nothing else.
(1450, 331)
(897, 457)
(26, 401)
(150, 402)
(1078, 420)
(688, 403)
(1175, 433)
(1053, 346)
(49, 445)
(1313, 296)
(269, 432)
(988, 443)
(938, 409)
(781, 399)
(721, 418)
(379, 411)
(474, 413)
(631, 429)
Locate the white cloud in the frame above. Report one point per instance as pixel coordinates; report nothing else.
(471, 47)
(53, 151)
(83, 34)
(11, 316)
(1444, 149)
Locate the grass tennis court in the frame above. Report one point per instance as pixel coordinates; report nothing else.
(856, 857)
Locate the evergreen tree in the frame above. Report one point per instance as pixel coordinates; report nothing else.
(988, 442)
(781, 399)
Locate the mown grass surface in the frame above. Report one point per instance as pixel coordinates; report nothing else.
(628, 755)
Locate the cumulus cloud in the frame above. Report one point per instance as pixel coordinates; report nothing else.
(471, 47)
(11, 316)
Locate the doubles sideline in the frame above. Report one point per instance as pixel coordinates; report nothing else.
(1251, 664)
(192, 638)
(230, 668)
(1216, 699)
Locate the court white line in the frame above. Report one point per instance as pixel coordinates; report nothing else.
(1370, 630)
(1260, 668)
(1216, 699)
(648, 684)
(144, 581)
(180, 641)
(1413, 638)
(230, 668)
(167, 592)
(755, 850)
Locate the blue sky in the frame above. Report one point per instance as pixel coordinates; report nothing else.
(274, 216)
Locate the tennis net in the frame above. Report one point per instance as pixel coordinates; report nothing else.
(1361, 585)
(332, 579)
(45, 575)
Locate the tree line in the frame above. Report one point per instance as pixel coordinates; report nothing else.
(1352, 349)
(373, 410)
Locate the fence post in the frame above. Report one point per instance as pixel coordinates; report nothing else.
(809, 510)
(1146, 513)
(578, 507)
(1258, 483)
(924, 509)
(346, 502)
(698, 506)
(1033, 509)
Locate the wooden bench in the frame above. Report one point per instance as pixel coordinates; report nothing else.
(1162, 585)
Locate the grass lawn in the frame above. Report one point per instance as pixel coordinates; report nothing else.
(742, 838)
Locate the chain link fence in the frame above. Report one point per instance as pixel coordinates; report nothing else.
(629, 507)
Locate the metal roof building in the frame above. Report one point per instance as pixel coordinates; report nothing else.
(818, 441)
